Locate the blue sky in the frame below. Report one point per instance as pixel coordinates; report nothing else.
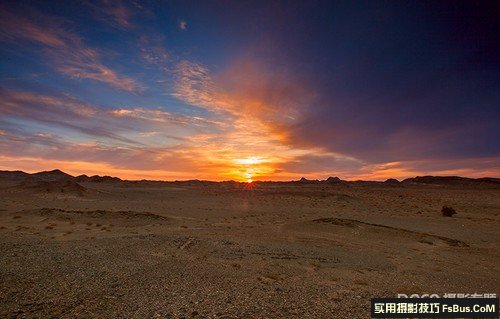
(250, 90)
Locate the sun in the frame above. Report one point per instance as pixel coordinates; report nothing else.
(248, 169)
(249, 184)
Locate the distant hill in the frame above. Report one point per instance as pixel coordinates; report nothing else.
(304, 180)
(451, 180)
(97, 179)
(329, 180)
(58, 175)
(13, 175)
(333, 180)
(391, 181)
(54, 175)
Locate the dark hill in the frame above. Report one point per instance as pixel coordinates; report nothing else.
(452, 180)
(333, 180)
(13, 175)
(54, 175)
(97, 179)
(391, 181)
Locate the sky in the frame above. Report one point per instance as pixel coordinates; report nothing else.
(250, 90)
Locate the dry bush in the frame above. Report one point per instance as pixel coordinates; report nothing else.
(448, 211)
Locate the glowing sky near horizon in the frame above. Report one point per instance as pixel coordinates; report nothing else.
(250, 90)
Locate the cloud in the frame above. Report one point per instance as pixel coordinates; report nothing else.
(66, 51)
(245, 149)
(85, 65)
(245, 87)
(161, 116)
(114, 13)
(15, 26)
(277, 116)
(311, 110)
(61, 111)
(152, 50)
(257, 103)
(122, 125)
(31, 124)
(35, 119)
(401, 134)
(182, 25)
(194, 85)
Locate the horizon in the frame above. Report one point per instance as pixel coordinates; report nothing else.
(250, 91)
(253, 181)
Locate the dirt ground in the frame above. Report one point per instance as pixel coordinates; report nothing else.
(206, 250)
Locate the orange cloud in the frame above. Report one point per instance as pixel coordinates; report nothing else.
(258, 105)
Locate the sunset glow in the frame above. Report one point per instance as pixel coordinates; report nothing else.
(249, 161)
(164, 92)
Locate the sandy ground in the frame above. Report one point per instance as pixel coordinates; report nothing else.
(125, 250)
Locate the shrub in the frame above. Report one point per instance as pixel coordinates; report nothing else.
(448, 211)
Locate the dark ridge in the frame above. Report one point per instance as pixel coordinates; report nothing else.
(451, 180)
(13, 175)
(97, 179)
(304, 180)
(53, 175)
(333, 180)
(58, 175)
(391, 181)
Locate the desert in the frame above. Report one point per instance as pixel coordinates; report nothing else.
(249, 159)
(81, 247)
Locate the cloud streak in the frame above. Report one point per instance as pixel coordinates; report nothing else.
(117, 12)
(259, 105)
(66, 51)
